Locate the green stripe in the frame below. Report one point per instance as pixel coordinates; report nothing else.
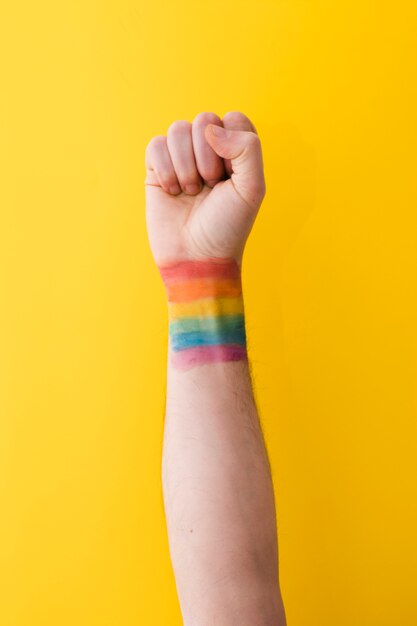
(214, 323)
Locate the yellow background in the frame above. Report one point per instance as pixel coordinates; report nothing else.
(330, 290)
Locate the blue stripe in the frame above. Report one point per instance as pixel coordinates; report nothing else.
(182, 341)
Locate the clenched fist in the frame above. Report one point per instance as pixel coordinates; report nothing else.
(204, 186)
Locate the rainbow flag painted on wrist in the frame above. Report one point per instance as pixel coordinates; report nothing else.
(206, 315)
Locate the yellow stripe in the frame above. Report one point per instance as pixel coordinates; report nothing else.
(205, 306)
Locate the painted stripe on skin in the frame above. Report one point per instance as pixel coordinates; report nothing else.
(188, 290)
(182, 341)
(206, 312)
(215, 268)
(205, 307)
(202, 355)
(207, 324)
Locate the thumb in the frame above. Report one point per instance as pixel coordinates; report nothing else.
(243, 148)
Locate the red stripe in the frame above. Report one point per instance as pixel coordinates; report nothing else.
(214, 268)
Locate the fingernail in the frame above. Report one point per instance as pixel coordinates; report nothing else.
(219, 131)
(192, 189)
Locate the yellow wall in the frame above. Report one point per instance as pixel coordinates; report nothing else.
(330, 278)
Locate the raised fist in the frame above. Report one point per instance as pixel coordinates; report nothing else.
(204, 186)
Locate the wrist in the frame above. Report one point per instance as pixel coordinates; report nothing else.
(205, 311)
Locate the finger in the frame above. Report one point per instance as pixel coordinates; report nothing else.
(244, 150)
(209, 164)
(180, 146)
(235, 120)
(159, 165)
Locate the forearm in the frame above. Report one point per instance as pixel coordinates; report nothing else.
(218, 493)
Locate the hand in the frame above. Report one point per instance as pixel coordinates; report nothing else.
(203, 190)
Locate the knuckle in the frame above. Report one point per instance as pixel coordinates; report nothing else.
(235, 117)
(179, 126)
(206, 117)
(239, 121)
(253, 194)
(259, 188)
(233, 114)
(254, 190)
(253, 139)
(156, 143)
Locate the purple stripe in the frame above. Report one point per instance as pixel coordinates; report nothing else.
(201, 355)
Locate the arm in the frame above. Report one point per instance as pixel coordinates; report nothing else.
(217, 486)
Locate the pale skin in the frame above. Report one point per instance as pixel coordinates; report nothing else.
(203, 193)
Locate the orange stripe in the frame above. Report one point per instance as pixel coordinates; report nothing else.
(193, 290)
